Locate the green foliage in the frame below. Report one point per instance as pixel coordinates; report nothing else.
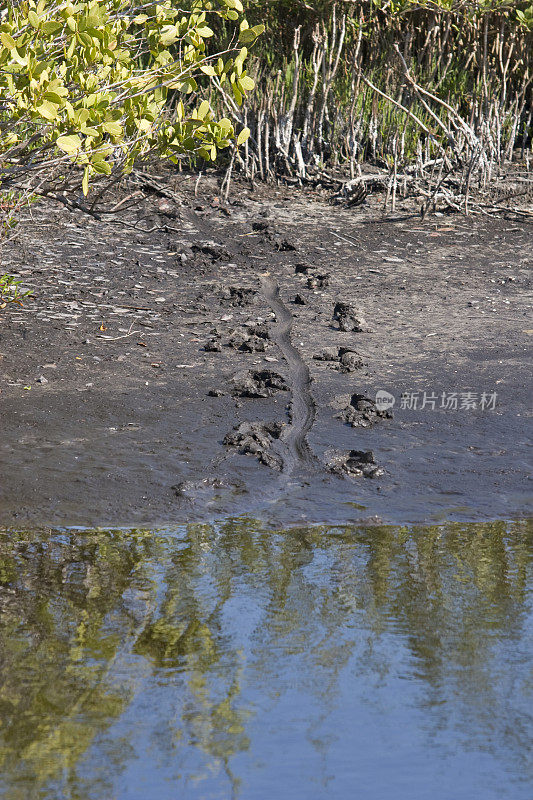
(90, 83)
(10, 292)
(525, 17)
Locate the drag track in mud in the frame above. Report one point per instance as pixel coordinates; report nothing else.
(302, 407)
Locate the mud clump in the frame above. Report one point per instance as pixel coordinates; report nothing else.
(212, 346)
(258, 383)
(283, 245)
(318, 281)
(185, 488)
(350, 361)
(255, 438)
(260, 330)
(252, 344)
(363, 412)
(347, 359)
(355, 464)
(239, 295)
(261, 225)
(216, 252)
(245, 340)
(206, 490)
(348, 318)
(327, 354)
(273, 236)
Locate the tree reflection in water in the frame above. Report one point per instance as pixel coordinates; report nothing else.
(195, 660)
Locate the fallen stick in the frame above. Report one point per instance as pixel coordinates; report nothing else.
(116, 338)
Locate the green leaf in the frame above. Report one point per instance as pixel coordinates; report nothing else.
(243, 136)
(188, 86)
(102, 167)
(247, 36)
(33, 19)
(203, 110)
(169, 34)
(251, 34)
(7, 41)
(85, 39)
(51, 28)
(54, 98)
(237, 94)
(90, 132)
(85, 181)
(113, 128)
(47, 110)
(69, 144)
(225, 126)
(246, 83)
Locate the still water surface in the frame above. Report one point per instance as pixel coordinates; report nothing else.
(233, 661)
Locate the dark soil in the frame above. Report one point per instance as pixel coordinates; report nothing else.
(145, 384)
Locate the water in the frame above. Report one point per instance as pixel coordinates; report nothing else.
(233, 661)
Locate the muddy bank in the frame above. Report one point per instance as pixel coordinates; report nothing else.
(149, 350)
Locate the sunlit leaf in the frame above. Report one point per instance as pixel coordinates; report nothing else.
(69, 144)
(243, 136)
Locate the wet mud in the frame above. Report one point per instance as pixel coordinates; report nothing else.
(227, 359)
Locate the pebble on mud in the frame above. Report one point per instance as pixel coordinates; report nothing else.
(348, 318)
(258, 383)
(255, 438)
(355, 464)
(362, 412)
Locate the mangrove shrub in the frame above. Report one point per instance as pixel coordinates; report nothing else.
(101, 83)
